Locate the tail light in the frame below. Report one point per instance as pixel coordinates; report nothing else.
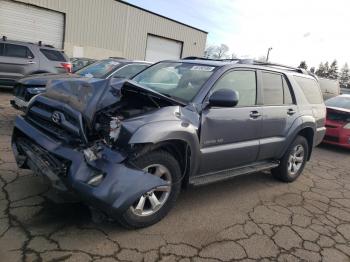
(67, 67)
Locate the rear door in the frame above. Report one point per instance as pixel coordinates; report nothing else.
(16, 61)
(279, 113)
(230, 136)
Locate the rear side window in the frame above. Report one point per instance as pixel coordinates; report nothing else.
(310, 89)
(129, 71)
(18, 51)
(273, 89)
(53, 55)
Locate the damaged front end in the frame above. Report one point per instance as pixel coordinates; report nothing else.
(77, 136)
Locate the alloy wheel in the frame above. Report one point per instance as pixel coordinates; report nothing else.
(150, 202)
(296, 159)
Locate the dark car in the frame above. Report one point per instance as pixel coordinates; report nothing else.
(30, 86)
(19, 59)
(80, 62)
(338, 121)
(127, 147)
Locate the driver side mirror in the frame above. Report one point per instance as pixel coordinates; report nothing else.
(224, 98)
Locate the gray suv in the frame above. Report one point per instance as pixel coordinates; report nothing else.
(19, 59)
(127, 147)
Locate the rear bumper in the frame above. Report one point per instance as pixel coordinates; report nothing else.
(69, 171)
(320, 133)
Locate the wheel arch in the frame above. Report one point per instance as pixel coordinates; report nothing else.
(179, 140)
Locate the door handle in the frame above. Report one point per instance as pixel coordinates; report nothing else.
(254, 114)
(291, 111)
(31, 62)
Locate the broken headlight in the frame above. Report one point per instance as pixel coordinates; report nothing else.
(114, 130)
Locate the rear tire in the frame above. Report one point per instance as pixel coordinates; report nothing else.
(148, 210)
(293, 161)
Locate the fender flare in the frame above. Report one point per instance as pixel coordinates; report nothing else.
(301, 123)
(163, 131)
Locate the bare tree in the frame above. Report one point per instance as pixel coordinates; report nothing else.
(222, 51)
(217, 52)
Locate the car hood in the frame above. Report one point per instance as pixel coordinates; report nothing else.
(42, 79)
(339, 109)
(89, 95)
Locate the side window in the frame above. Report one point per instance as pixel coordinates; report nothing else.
(288, 100)
(273, 89)
(243, 82)
(310, 89)
(129, 71)
(18, 51)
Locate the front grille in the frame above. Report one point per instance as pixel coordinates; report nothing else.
(67, 129)
(44, 159)
(331, 138)
(331, 126)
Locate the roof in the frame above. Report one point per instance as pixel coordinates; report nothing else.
(153, 13)
(42, 45)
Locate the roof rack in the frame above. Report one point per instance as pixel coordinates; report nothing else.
(253, 62)
(117, 57)
(211, 59)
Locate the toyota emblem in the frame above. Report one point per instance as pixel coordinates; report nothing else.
(56, 117)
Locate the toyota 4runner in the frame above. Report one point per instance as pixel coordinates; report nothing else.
(127, 147)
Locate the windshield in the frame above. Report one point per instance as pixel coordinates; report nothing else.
(339, 101)
(99, 69)
(181, 81)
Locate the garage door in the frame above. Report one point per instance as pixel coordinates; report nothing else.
(159, 48)
(32, 24)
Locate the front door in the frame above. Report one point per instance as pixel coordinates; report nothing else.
(229, 137)
(279, 114)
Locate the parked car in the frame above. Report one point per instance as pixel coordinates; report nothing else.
(338, 121)
(127, 147)
(80, 62)
(345, 91)
(19, 59)
(329, 87)
(28, 87)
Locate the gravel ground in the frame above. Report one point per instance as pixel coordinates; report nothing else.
(248, 218)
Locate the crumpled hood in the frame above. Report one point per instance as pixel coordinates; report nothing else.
(90, 95)
(42, 79)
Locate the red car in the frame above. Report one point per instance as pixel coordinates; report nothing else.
(338, 121)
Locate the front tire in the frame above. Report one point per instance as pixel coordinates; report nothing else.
(155, 204)
(293, 162)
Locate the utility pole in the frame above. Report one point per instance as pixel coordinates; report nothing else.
(268, 53)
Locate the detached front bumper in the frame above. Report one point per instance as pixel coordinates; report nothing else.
(69, 171)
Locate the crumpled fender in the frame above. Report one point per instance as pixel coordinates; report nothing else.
(121, 186)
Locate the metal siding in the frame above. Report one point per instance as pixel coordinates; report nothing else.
(109, 27)
(27, 23)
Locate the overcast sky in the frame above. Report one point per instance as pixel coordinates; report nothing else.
(311, 30)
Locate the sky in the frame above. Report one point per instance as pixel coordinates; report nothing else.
(310, 30)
